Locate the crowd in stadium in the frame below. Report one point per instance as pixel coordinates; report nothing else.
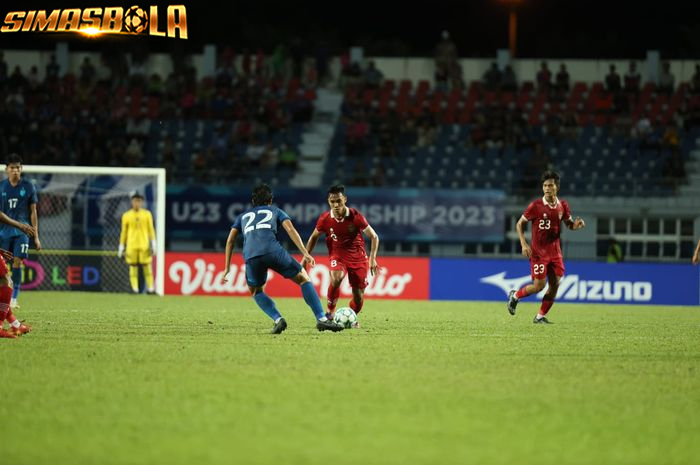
(250, 115)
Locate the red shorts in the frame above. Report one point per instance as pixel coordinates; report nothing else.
(540, 267)
(3, 268)
(356, 271)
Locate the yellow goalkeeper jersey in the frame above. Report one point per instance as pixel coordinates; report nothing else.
(137, 229)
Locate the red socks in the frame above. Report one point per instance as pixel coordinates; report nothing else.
(546, 305)
(357, 308)
(333, 294)
(521, 293)
(5, 312)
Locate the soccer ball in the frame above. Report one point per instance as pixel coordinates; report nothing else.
(345, 316)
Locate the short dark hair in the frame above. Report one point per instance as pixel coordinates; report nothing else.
(136, 195)
(337, 189)
(13, 158)
(551, 174)
(262, 195)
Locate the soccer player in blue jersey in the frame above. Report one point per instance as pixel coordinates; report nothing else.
(19, 201)
(262, 251)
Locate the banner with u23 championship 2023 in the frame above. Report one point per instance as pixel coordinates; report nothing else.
(200, 274)
(398, 214)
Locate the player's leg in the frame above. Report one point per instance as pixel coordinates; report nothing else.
(132, 259)
(538, 272)
(20, 248)
(357, 275)
(5, 296)
(291, 269)
(337, 272)
(146, 259)
(555, 270)
(256, 277)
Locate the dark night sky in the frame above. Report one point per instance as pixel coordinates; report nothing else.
(547, 28)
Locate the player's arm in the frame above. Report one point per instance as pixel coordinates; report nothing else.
(34, 218)
(520, 228)
(311, 243)
(151, 234)
(230, 243)
(296, 238)
(374, 247)
(696, 255)
(122, 235)
(25, 228)
(575, 224)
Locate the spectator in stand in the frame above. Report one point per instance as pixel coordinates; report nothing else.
(138, 128)
(633, 80)
(667, 80)
(570, 125)
(288, 157)
(373, 77)
(446, 53)
(509, 82)
(695, 81)
(134, 153)
(254, 152)
(612, 81)
(426, 134)
(270, 156)
(544, 78)
(52, 69)
(33, 78)
(87, 71)
(441, 78)
(492, 78)
(563, 83)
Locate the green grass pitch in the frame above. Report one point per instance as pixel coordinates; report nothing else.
(119, 379)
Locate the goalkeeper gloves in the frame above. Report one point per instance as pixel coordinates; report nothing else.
(120, 253)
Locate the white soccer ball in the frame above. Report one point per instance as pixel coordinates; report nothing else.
(345, 316)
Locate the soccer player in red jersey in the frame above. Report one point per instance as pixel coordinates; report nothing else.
(546, 263)
(343, 227)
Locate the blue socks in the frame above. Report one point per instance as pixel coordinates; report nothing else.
(267, 305)
(312, 300)
(17, 281)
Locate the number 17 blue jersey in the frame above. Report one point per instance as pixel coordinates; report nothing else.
(259, 227)
(15, 202)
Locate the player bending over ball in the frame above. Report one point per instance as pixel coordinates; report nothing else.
(546, 262)
(262, 251)
(343, 227)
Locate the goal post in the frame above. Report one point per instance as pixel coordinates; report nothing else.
(79, 212)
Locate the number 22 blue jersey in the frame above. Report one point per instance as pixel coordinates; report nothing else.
(15, 202)
(259, 227)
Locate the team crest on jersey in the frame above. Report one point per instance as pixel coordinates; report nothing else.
(545, 215)
(352, 229)
(333, 236)
(22, 192)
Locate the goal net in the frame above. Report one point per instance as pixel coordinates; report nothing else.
(79, 212)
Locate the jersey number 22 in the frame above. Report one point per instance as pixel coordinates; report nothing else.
(264, 223)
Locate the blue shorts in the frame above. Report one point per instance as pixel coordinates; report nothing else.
(281, 262)
(18, 245)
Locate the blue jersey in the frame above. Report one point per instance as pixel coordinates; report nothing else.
(15, 202)
(259, 227)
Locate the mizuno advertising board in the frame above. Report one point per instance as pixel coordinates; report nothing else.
(622, 283)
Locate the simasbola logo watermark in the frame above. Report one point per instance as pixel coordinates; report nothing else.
(96, 21)
(572, 287)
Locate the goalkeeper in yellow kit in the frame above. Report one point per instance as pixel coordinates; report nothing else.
(138, 240)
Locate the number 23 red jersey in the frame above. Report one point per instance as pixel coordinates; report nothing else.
(344, 235)
(546, 226)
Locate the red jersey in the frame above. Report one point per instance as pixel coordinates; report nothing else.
(344, 236)
(546, 226)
